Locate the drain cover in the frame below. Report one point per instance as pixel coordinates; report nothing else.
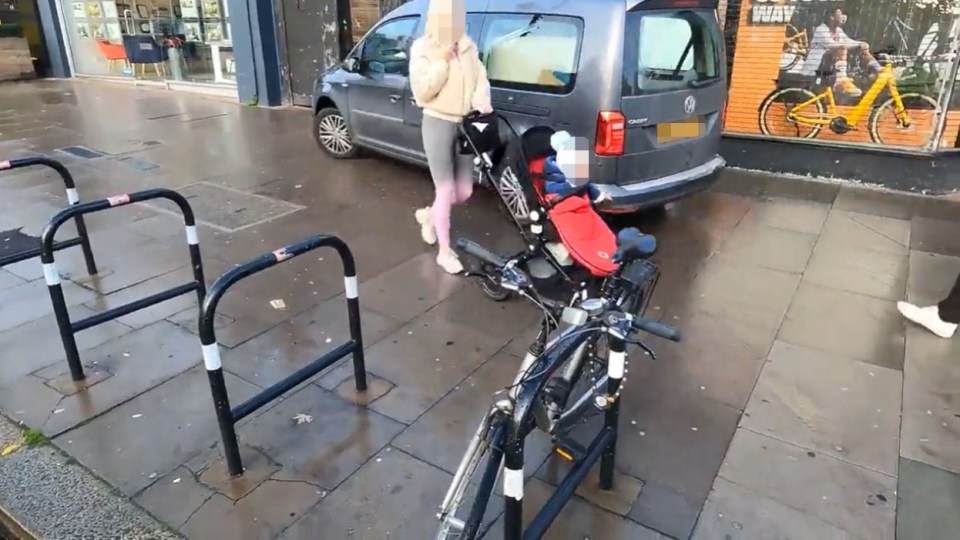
(137, 163)
(228, 209)
(82, 152)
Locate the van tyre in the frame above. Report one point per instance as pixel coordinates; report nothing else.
(332, 134)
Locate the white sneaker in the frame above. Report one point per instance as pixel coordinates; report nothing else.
(927, 317)
(427, 231)
(449, 261)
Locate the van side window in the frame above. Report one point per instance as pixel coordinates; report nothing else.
(668, 50)
(389, 46)
(532, 52)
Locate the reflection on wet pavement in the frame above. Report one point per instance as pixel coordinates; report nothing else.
(784, 290)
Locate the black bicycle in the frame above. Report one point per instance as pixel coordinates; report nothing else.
(562, 382)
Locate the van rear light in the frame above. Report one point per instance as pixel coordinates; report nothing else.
(611, 131)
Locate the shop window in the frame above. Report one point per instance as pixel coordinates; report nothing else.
(537, 52)
(825, 72)
(387, 48)
(182, 40)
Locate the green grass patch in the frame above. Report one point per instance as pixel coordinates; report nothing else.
(34, 437)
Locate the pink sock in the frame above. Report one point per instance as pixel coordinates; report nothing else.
(440, 212)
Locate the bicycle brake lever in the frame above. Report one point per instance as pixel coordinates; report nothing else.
(645, 347)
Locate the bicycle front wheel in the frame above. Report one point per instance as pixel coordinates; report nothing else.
(789, 112)
(914, 126)
(463, 514)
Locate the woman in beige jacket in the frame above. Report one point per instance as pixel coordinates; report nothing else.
(448, 81)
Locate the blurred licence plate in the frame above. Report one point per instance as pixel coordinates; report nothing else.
(675, 131)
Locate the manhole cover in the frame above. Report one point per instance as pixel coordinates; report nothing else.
(229, 209)
(138, 163)
(82, 152)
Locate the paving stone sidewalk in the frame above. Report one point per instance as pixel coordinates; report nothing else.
(798, 406)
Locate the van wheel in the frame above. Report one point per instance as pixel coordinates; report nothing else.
(515, 202)
(332, 134)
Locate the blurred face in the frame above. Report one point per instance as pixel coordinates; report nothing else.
(838, 18)
(446, 20)
(574, 161)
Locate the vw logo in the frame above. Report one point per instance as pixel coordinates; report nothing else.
(689, 104)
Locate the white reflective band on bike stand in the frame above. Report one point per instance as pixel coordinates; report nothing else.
(72, 196)
(192, 237)
(350, 284)
(211, 357)
(616, 364)
(50, 274)
(513, 483)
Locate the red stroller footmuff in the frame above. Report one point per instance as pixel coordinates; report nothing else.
(583, 232)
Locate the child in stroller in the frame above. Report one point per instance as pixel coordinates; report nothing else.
(569, 246)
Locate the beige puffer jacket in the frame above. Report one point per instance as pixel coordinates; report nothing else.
(448, 89)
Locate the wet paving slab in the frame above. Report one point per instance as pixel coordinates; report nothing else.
(780, 415)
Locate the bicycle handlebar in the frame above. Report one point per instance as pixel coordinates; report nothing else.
(472, 248)
(657, 328)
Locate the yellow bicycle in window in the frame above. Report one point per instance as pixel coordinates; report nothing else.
(908, 119)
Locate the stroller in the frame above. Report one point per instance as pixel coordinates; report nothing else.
(516, 169)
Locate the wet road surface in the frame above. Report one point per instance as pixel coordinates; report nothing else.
(799, 403)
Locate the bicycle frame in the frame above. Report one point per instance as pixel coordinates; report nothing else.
(519, 410)
(885, 79)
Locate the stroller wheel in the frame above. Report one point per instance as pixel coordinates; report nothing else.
(494, 291)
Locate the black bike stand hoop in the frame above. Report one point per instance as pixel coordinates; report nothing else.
(67, 328)
(602, 448)
(82, 239)
(228, 417)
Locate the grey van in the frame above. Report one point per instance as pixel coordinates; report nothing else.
(644, 81)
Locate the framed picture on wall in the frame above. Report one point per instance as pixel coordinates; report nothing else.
(98, 31)
(109, 10)
(113, 31)
(189, 9)
(144, 27)
(177, 12)
(79, 12)
(213, 32)
(93, 10)
(211, 9)
(192, 31)
(83, 31)
(143, 11)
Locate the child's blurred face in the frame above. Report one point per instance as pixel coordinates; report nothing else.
(574, 161)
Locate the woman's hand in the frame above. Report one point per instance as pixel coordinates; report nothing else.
(484, 109)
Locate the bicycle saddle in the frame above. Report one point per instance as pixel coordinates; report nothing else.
(633, 244)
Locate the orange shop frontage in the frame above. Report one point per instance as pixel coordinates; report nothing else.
(845, 73)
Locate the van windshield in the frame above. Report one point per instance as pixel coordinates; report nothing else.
(667, 50)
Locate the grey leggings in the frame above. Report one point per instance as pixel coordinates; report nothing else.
(452, 173)
(440, 145)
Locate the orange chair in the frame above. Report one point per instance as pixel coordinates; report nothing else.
(113, 53)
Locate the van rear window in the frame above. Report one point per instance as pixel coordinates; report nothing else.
(667, 50)
(531, 52)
